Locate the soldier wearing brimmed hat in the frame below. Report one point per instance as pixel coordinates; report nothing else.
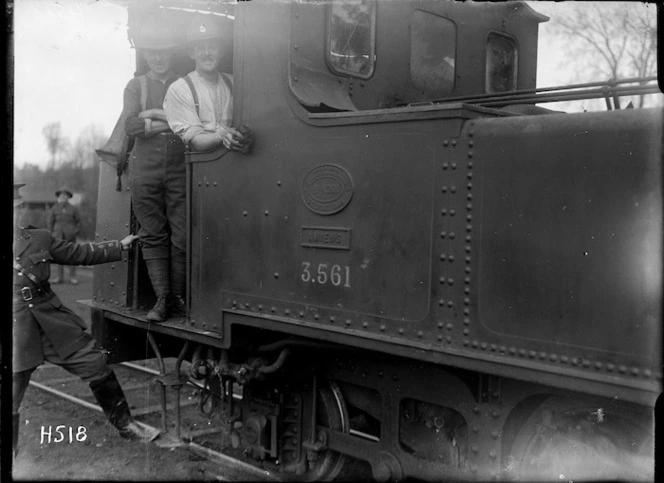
(157, 170)
(45, 330)
(64, 222)
(199, 106)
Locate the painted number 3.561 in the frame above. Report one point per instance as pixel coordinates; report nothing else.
(324, 274)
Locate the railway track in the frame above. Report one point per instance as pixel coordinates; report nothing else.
(197, 436)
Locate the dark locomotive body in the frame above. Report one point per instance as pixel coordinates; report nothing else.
(433, 282)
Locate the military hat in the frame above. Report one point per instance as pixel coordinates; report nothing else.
(154, 34)
(203, 27)
(65, 190)
(18, 199)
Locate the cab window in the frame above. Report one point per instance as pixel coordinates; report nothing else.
(501, 63)
(432, 53)
(351, 37)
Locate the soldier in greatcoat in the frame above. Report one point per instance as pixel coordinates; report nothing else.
(46, 330)
(64, 221)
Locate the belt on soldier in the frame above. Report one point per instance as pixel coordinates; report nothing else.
(29, 293)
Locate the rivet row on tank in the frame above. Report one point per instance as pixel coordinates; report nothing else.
(502, 348)
(468, 259)
(622, 369)
(214, 184)
(610, 367)
(466, 301)
(469, 217)
(598, 365)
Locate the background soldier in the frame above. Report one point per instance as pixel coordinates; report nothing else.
(45, 330)
(64, 222)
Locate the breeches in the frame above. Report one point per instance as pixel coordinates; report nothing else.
(157, 181)
(88, 363)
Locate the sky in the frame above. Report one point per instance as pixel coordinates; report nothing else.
(72, 61)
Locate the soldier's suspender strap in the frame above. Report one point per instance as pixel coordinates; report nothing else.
(142, 81)
(193, 93)
(190, 83)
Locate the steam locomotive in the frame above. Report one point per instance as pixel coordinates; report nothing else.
(416, 266)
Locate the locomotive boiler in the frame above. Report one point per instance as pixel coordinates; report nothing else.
(416, 266)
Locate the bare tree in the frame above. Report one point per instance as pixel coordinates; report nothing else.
(56, 143)
(608, 40)
(82, 154)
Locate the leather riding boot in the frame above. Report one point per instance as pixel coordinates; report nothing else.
(159, 272)
(178, 284)
(111, 398)
(15, 422)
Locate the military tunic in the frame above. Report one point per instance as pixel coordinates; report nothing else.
(34, 251)
(64, 221)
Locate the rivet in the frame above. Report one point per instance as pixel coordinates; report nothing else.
(452, 235)
(466, 320)
(454, 142)
(234, 303)
(266, 213)
(609, 367)
(452, 212)
(553, 357)
(466, 342)
(300, 313)
(440, 337)
(522, 352)
(468, 259)
(443, 212)
(469, 217)
(247, 305)
(466, 311)
(207, 183)
(532, 354)
(474, 449)
(260, 307)
(453, 189)
(598, 365)
(470, 133)
(449, 326)
(316, 316)
(446, 142)
(468, 248)
(512, 350)
(586, 363)
(542, 355)
(365, 324)
(441, 279)
(332, 318)
(214, 184)
(274, 309)
(440, 325)
(475, 343)
(443, 234)
(420, 333)
(470, 143)
(445, 165)
(469, 238)
(295, 78)
(476, 410)
(295, 47)
(287, 311)
(382, 327)
(483, 346)
(469, 186)
(466, 301)
(278, 183)
(492, 454)
(495, 434)
(622, 369)
(470, 154)
(450, 281)
(647, 372)
(493, 347)
(469, 206)
(469, 227)
(451, 258)
(381, 373)
(441, 302)
(112, 284)
(453, 165)
(564, 359)
(400, 331)
(444, 189)
(245, 213)
(466, 331)
(276, 274)
(443, 256)
(348, 321)
(200, 183)
(495, 414)
(450, 303)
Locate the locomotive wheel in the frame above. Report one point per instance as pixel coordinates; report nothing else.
(332, 413)
(573, 440)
